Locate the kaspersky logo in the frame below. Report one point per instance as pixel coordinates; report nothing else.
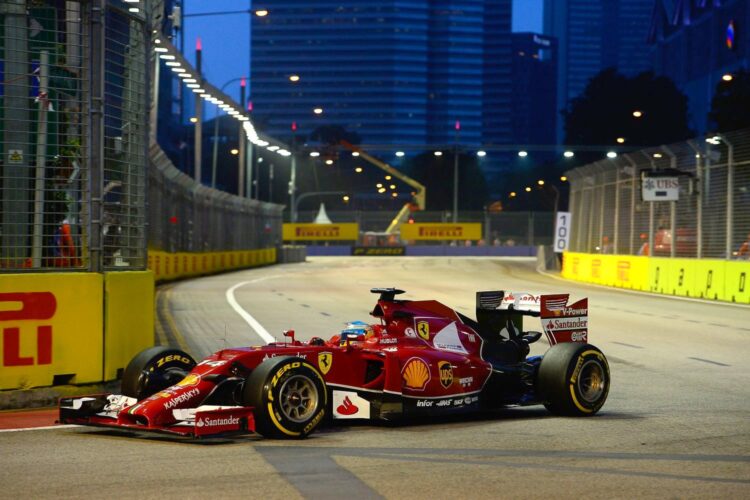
(33, 306)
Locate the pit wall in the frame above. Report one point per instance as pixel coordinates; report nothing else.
(84, 328)
(721, 280)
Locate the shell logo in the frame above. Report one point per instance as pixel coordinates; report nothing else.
(416, 374)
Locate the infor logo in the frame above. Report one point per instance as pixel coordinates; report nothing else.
(16, 307)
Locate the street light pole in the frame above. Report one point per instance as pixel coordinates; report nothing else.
(455, 174)
(217, 117)
(198, 150)
(293, 175)
(293, 186)
(242, 140)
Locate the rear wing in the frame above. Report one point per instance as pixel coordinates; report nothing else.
(561, 322)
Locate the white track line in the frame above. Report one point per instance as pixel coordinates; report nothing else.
(45, 428)
(262, 332)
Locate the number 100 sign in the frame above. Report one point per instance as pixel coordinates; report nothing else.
(562, 232)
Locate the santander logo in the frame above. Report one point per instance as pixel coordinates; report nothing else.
(347, 407)
(213, 422)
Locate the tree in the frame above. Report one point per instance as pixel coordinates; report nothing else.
(731, 102)
(436, 173)
(605, 110)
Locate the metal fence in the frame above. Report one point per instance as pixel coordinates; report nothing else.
(711, 219)
(74, 148)
(72, 135)
(185, 216)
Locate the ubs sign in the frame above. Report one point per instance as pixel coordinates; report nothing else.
(660, 188)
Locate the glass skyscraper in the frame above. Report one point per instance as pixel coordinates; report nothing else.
(695, 43)
(594, 35)
(395, 72)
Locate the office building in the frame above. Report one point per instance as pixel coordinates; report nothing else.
(594, 35)
(394, 72)
(695, 43)
(534, 89)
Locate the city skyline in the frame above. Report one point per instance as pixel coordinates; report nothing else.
(217, 32)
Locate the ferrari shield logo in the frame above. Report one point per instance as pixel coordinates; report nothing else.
(325, 360)
(446, 373)
(423, 329)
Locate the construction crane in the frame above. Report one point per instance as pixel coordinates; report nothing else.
(419, 195)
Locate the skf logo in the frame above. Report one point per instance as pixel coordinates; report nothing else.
(325, 360)
(423, 329)
(446, 373)
(34, 306)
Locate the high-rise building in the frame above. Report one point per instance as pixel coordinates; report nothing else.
(534, 89)
(695, 43)
(497, 79)
(594, 35)
(393, 71)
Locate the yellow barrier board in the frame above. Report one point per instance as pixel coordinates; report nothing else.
(700, 278)
(658, 274)
(736, 286)
(129, 318)
(709, 278)
(439, 231)
(52, 329)
(321, 232)
(681, 277)
(168, 266)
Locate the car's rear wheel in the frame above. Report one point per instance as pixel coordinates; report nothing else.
(289, 396)
(573, 379)
(155, 369)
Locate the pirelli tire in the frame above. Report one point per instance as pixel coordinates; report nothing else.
(155, 369)
(289, 396)
(573, 379)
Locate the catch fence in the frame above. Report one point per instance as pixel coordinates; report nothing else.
(72, 135)
(76, 87)
(710, 176)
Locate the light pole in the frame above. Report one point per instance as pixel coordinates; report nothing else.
(217, 117)
(293, 174)
(455, 174)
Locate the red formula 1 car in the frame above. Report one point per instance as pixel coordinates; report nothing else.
(423, 358)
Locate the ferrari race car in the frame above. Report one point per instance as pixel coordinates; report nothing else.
(422, 359)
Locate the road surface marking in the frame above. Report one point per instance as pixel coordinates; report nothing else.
(262, 332)
(45, 428)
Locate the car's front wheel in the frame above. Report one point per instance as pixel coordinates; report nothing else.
(289, 397)
(154, 369)
(573, 379)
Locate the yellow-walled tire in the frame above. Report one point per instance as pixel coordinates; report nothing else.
(289, 397)
(154, 369)
(573, 379)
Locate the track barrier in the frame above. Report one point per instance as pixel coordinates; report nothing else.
(711, 279)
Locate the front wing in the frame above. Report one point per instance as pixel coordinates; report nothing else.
(104, 410)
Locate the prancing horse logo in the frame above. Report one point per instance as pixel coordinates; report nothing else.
(325, 360)
(423, 329)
